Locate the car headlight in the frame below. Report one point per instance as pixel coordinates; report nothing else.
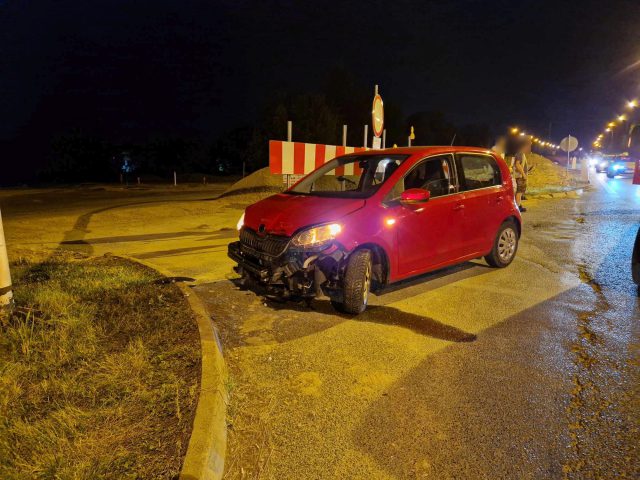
(618, 167)
(240, 223)
(317, 236)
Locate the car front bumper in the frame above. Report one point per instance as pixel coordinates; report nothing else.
(292, 272)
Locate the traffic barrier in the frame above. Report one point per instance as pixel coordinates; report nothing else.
(296, 158)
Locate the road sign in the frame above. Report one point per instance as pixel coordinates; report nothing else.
(377, 115)
(569, 144)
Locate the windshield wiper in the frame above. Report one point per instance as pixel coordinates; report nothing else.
(342, 178)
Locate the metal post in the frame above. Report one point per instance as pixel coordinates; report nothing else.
(384, 138)
(375, 90)
(175, 179)
(344, 135)
(6, 293)
(409, 140)
(289, 138)
(366, 135)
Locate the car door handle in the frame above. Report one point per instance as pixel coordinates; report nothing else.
(459, 206)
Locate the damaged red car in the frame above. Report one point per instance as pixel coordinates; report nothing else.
(363, 221)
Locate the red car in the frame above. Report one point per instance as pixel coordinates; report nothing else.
(363, 221)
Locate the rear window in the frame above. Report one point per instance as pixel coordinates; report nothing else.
(479, 171)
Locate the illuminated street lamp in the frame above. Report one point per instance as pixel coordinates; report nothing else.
(622, 118)
(607, 129)
(611, 124)
(514, 130)
(632, 104)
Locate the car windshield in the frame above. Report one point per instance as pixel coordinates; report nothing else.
(353, 176)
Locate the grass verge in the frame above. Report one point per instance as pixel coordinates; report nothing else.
(99, 371)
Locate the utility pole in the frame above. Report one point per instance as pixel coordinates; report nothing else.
(6, 292)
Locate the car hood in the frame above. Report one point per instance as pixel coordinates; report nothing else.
(284, 214)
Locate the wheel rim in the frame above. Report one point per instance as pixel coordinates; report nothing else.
(507, 244)
(366, 284)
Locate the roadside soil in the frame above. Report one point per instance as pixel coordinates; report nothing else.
(99, 368)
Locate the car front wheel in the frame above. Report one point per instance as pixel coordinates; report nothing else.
(505, 246)
(357, 283)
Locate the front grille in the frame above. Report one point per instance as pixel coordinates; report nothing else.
(252, 243)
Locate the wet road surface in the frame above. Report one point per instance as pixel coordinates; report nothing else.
(528, 372)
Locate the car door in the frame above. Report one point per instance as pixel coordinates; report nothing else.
(484, 200)
(428, 234)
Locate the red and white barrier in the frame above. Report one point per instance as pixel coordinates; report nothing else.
(296, 158)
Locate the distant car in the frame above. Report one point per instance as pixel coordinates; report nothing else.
(620, 166)
(362, 221)
(635, 260)
(602, 164)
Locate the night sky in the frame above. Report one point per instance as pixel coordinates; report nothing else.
(131, 69)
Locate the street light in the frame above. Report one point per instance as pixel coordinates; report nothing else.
(632, 104)
(611, 124)
(514, 130)
(622, 118)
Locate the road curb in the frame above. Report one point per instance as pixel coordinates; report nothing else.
(208, 443)
(571, 193)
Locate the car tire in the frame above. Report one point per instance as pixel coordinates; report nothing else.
(505, 246)
(357, 283)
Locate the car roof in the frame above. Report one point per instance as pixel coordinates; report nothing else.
(424, 150)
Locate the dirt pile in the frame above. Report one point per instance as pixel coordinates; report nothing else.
(261, 182)
(547, 176)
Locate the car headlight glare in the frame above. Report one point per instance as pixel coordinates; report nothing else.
(240, 223)
(317, 236)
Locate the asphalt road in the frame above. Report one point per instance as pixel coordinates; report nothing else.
(528, 372)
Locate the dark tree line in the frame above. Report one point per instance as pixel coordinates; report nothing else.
(317, 118)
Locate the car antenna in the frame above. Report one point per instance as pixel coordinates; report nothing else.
(454, 138)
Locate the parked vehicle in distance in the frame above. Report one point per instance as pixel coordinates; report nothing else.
(363, 221)
(620, 166)
(601, 164)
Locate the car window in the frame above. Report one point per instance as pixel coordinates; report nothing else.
(434, 174)
(479, 171)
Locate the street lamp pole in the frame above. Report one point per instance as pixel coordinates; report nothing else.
(6, 292)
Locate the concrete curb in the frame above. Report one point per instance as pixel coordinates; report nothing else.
(208, 443)
(571, 193)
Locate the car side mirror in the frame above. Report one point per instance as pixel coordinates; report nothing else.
(413, 196)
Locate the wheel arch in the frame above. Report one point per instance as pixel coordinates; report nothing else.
(380, 261)
(515, 220)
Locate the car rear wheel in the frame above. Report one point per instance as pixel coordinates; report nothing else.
(505, 246)
(357, 283)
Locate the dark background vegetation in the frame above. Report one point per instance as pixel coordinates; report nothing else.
(199, 86)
